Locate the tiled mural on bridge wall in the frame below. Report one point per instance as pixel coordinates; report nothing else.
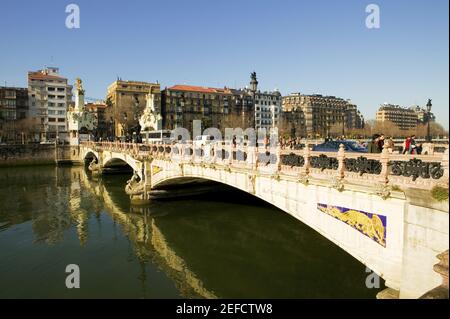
(371, 225)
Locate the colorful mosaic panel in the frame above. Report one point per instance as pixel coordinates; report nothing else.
(371, 225)
(156, 170)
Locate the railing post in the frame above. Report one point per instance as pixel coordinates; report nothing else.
(384, 160)
(230, 154)
(250, 156)
(214, 151)
(202, 153)
(278, 153)
(307, 158)
(340, 158)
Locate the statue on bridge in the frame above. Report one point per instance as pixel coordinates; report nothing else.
(135, 186)
(94, 167)
(151, 119)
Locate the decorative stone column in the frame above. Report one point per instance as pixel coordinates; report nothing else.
(341, 165)
(307, 157)
(384, 160)
(278, 152)
(428, 148)
(230, 154)
(383, 189)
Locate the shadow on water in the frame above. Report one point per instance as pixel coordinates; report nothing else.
(223, 244)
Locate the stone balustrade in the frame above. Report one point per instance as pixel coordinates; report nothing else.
(401, 171)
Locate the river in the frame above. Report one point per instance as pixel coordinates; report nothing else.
(221, 245)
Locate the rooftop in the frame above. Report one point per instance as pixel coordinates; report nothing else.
(42, 75)
(199, 89)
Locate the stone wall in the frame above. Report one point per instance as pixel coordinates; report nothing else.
(36, 154)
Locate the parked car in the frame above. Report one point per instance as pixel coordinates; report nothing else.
(333, 146)
(161, 136)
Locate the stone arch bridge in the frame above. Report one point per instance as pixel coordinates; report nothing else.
(377, 207)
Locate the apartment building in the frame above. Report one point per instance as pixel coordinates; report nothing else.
(49, 96)
(314, 115)
(404, 118)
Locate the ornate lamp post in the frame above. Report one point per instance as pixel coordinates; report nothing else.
(125, 118)
(429, 105)
(253, 90)
(112, 128)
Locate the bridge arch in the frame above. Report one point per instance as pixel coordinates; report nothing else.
(89, 156)
(301, 210)
(115, 160)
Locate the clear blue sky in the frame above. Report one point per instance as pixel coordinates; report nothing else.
(320, 46)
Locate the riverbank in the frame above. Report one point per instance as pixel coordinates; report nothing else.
(37, 154)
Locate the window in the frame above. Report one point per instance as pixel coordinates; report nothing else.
(61, 120)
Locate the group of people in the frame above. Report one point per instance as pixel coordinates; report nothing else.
(378, 142)
(411, 147)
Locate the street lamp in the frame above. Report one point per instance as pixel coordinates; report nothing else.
(125, 117)
(112, 128)
(429, 105)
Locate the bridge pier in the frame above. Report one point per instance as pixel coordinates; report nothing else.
(139, 191)
(96, 165)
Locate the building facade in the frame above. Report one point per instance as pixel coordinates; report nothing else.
(221, 107)
(182, 104)
(127, 100)
(102, 122)
(214, 107)
(316, 115)
(13, 108)
(404, 118)
(49, 96)
(13, 103)
(268, 106)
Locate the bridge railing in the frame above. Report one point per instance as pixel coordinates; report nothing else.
(417, 171)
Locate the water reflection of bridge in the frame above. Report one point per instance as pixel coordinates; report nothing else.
(148, 241)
